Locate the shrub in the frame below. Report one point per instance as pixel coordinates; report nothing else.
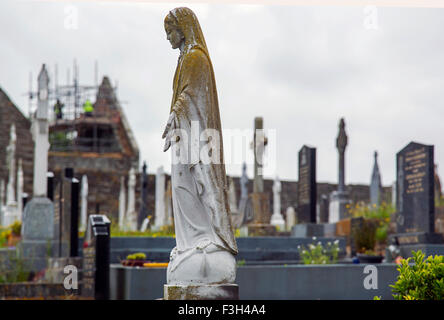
(16, 228)
(317, 254)
(423, 280)
(136, 256)
(380, 214)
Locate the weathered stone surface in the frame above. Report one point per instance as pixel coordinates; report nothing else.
(10, 114)
(205, 244)
(38, 220)
(208, 292)
(261, 208)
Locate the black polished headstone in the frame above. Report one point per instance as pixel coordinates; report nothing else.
(415, 195)
(66, 214)
(50, 186)
(96, 258)
(306, 193)
(143, 211)
(74, 232)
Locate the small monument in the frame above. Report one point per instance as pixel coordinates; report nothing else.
(415, 221)
(143, 210)
(20, 193)
(38, 223)
(242, 218)
(67, 214)
(340, 198)
(375, 184)
(236, 217)
(290, 216)
(323, 210)
(277, 219)
(11, 213)
(84, 205)
(122, 203)
(131, 214)
(160, 213)
(202, 265)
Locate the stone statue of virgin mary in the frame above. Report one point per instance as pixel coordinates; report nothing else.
(205, 244)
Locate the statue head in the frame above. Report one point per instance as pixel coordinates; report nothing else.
(183, 29)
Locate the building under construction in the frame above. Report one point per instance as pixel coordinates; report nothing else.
(96, 142)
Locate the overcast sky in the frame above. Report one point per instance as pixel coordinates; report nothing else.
(301, 68)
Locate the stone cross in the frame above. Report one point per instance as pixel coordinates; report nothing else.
(276, 218)
(143, 211)
(131, 215)
(259, 143)
(341, 144)
(122, 200)
(375, 184)
(84, 203)
(159, 220)
(40, 135)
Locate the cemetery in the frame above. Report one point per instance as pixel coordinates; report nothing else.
(82, 219)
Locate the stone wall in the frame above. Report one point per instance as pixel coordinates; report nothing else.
(10, 114)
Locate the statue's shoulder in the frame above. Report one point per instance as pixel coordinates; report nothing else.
(196, 53)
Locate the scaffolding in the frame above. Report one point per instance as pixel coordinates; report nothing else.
(73, 129)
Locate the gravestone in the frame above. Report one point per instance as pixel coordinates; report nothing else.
(66, 218)
(122, 203)
(50, 185)
(38, 233)
(415, 222)
(243, 218)
(277, 219)
(131, 214)
(323, 214)
(143, 210)
(160, 213)
(290, 218)
(96, 258)
(306, 193)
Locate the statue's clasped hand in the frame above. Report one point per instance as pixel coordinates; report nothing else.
(169, 130)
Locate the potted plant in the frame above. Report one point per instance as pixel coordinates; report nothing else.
(135, 260)
(365, 241)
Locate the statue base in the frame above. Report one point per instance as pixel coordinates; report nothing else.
(260, 206)
(337, 207)
(261, 229)
(201, 292)
(278, 221)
